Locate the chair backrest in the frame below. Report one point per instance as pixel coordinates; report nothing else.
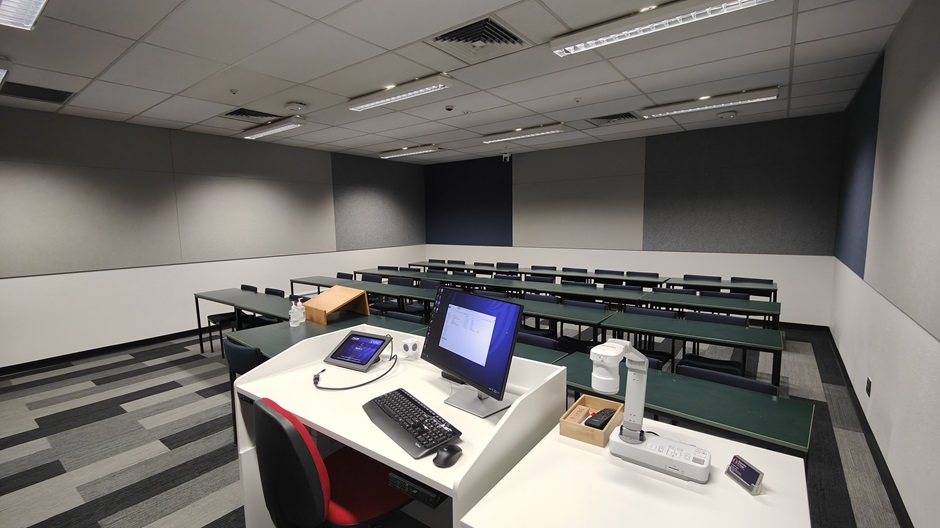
(413, 270)
(623, 287)
(752, 279)
(582, 304)
(728, 366)
(608, 272)
(726, 295)
(569, 282)
(712, 278)
(668, 314)
(507, 265)
(464, 274)
(401, 281)
(437, 272)
(461, 262)
(240, 358)
(402, 316)
(390, 268)
(492, 294)
(683, 291)
(725, 378)
(537, 340)
(575, 270)
(506, 276)
(249, 287)
(439, 261)
(716, 318)
(294, 480)
(552, 268)
(429, 283)
(274, 291)
(368, 277)
(642, 274)
(487, 264)
(551, 299)
(344, 275)
(540, 278)
(655, 363)
(614, 279)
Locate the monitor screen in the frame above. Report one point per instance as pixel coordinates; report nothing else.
(471, 338)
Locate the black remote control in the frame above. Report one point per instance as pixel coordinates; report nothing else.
(600, 418)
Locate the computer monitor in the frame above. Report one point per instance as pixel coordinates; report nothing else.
(471, 339)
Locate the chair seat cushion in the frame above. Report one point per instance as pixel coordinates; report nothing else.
(359, 489)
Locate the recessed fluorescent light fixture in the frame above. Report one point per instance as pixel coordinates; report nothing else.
(718, 101)
(663, 17)
(522, 133)
(20, 14)
(400, 93)
(409, 151)
(274, 128)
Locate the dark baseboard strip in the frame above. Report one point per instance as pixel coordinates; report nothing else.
(45, 364)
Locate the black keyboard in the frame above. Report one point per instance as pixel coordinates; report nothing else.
(410, 423)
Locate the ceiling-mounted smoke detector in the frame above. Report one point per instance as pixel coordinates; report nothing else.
(295, 107)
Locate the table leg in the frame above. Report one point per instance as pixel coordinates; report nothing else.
(202, 346)
(775, 377)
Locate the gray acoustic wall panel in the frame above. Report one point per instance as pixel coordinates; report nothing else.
(229, 218)
(903, 258)
(770, 187)
(378, 203)
(44, 137)
(589, 196)
(61, 218)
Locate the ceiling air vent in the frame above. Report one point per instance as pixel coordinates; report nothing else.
(35, 93)
(479, 41)
(251, 116)
(613, 119)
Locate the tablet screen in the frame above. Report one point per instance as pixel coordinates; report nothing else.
(358, 350)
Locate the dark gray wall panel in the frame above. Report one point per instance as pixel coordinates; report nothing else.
(44, 137)
(769, 187)
(221, 156)
(861, 138)
(377, 203)
(469, 202)
(58, 218)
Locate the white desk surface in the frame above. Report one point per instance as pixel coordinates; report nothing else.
(565, 482)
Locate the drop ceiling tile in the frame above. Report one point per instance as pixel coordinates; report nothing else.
(158, 123)
(429, 56)
(749, 39)
(409, 20)
(225, 30)
(146, 66)
(326, 147)
(474, 102)
(532, 21)
(584, 97)
(391, 145)
(341, 114)
(578, 15)
(848, 17)
(519, 66)
(463, 144)
(328, 135)
(740, 120)
(815, 110)
(248, 85)
(318, 9)
(385, 122)
(131, 19)
(822, 99)
(512, 124)
(577, 78)
(871, 41)
(227, 123)
(488, 116)
(186, 109)
(454, 135)
(371, 75)
(29, 104)
(615, 106)
(716, 70)
(508, 147)
(95, 114)
(62, 47)
(741, 111)
(313, 98)
(203, 129)
(291, 142)
(580, 124)
(851, 82)
(46, 79)
(806, 5)
(421, 129)
(298, 57)
(725, 86)
(361, 141)
(102, 95)
(834, 68)
(665, 126)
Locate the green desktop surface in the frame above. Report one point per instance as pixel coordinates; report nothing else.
(713, 304)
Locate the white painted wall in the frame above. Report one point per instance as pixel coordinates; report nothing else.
(877, 340)
(804, 282)
(53, 315)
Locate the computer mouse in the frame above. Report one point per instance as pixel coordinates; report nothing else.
(447, 455)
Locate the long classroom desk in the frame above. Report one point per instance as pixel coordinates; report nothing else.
(781, 423)
(646, 282)
(239, 299)
(770, 310)
(760, 339)
(378, 288)
(751, 288)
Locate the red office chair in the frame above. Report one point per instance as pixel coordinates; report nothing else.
(302, 489)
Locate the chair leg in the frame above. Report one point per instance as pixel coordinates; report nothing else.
(231, 377)
(211, 342)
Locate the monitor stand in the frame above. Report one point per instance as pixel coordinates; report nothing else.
(477, 403)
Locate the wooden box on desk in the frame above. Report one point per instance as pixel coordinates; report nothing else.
(587, 434)
(335, 299)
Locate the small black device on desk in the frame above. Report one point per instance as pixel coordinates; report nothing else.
(600, 418)
(358, 351)
(447, 455)
(411, 424)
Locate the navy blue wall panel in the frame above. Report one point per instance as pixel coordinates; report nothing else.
(770, 187)
(861, 137)
(469, 202)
